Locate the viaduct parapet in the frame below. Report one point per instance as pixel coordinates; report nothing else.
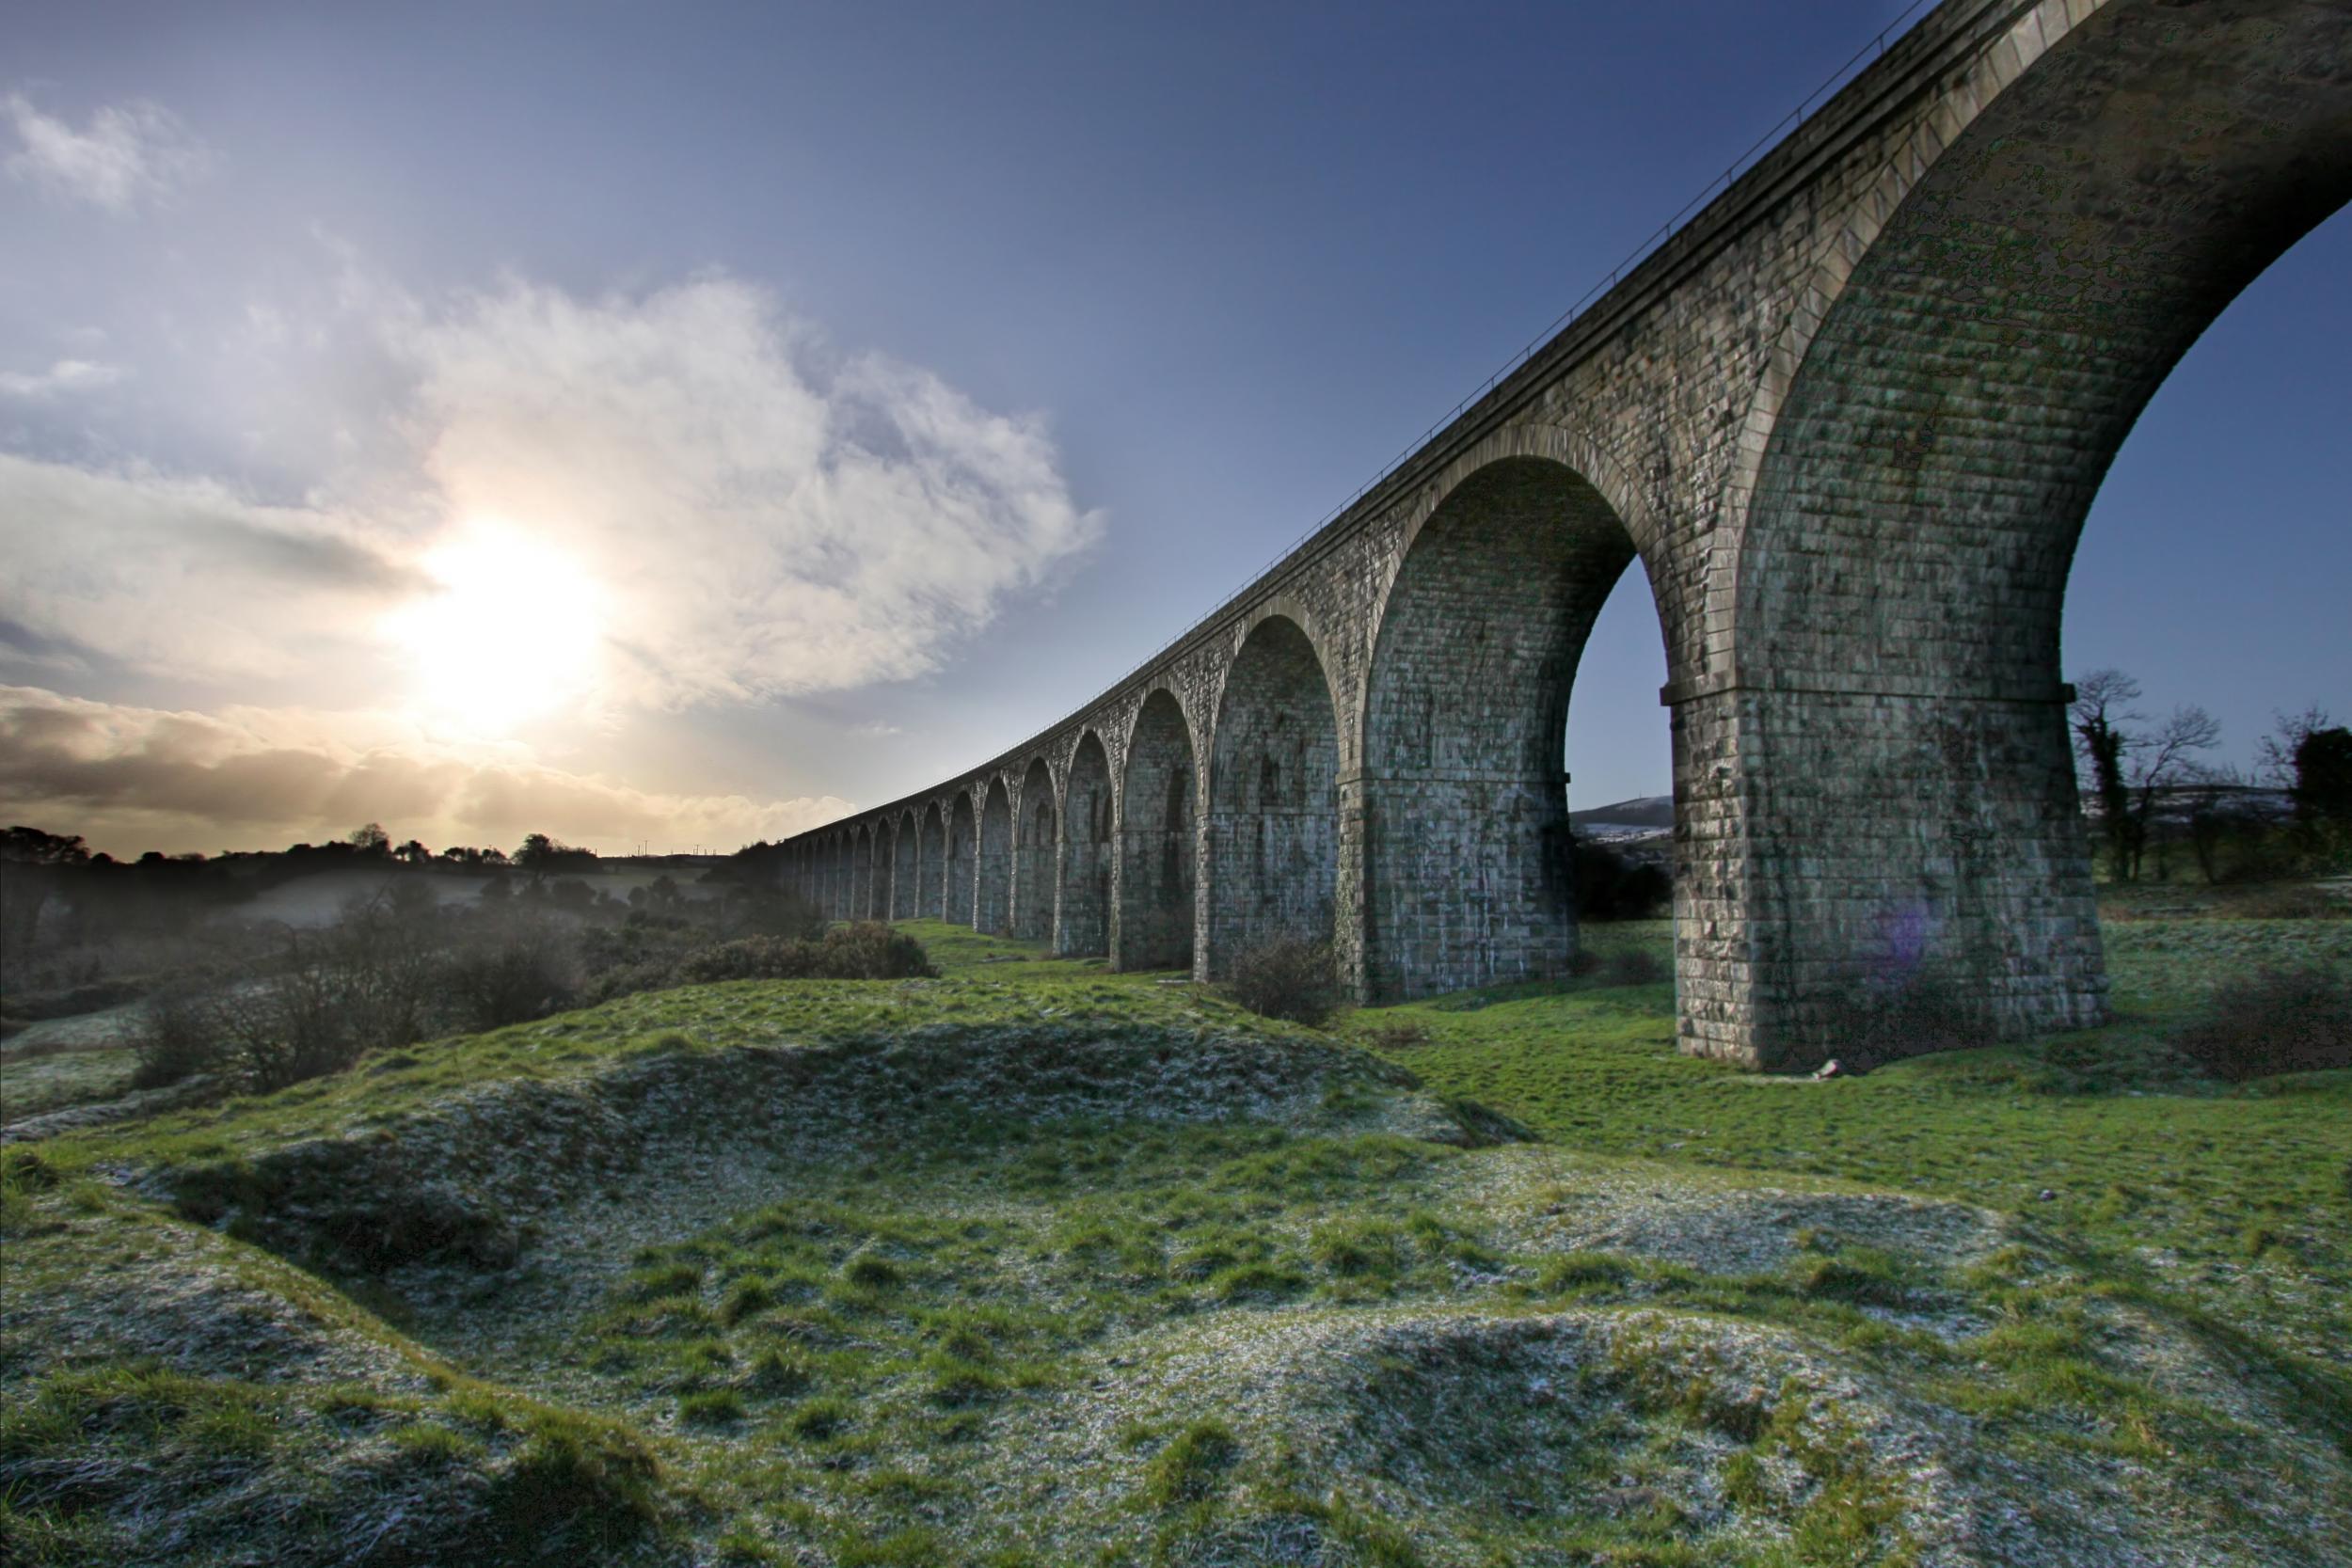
(1849, 420)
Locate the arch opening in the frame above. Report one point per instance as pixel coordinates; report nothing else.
(1463, 797)
(931, 866)
(1156, 842)
(1033, 843)
(904, 839)
(1901, 570)
(1273, 819)
(993, 911)
(1083, 929)
(962, 851)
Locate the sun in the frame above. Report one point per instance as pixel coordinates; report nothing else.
(509, 634)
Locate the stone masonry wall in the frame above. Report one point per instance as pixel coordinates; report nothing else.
(1848, 418)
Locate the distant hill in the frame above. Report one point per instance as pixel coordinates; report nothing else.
(1647, 811)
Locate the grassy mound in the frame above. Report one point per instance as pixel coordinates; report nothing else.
(451, 1154)
(174, 1395)
(1035, 1264)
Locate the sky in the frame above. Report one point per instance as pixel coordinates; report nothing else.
(681, 425)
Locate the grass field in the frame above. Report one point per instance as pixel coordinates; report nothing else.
(1035, 1263)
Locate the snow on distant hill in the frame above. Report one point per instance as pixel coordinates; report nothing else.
(1647, 813)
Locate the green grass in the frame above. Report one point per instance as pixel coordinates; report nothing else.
(887, 1362)
(700, 1020)
(33, 1085)
(2244, 1197)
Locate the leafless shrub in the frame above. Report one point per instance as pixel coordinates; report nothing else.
(864, 950)
(181, 1035)
(525, 970)
(2288, 901)
(2275, 1020)
(1286, 978)
(1394, 1035)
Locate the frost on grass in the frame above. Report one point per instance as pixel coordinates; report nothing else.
(1604, 1434)
(465, 1180)
(963, 1274)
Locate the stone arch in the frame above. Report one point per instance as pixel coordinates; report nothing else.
(1035, 841)
(931, 865)
(1460, 801)
(861, 869)
(1288, 606)
(1089, 821)
(877, 888)
(992, 912)
(1273, 797)
(1157, 807)
(963, 850)
(905, 839)
(1962, 368)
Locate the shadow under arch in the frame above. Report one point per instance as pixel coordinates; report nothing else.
(1083, 929)
(905, 861)
(876, 890)
(1034, 839)
(962, 846)
(1157, 841)
(2070, 221)
(1461, 798)
(931, 866)
(993, 911)
(1272, 825)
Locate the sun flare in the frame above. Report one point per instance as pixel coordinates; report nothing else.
(509, 635)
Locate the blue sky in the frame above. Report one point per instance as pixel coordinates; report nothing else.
(859, 389)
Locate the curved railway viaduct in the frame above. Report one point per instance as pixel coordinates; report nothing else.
(1849, 419)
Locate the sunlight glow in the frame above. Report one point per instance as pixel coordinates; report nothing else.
(511, 635)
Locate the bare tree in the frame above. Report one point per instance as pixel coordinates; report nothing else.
(2161, 760)
(2130, 767)
(2099, 714)
(2212, 818)
(2277, 750)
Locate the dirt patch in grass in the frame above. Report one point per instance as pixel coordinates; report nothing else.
(462, 1181)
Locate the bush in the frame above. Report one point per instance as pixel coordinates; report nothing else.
(866, 950)
(1632, 966)
(2289, 901)
(1286, 978)
(525, 972)
(1610, 887)
(181, 1037)
(2276, 1021)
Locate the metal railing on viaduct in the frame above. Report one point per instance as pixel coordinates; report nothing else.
(1849, 419)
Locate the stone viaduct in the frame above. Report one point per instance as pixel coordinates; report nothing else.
(1849, 419)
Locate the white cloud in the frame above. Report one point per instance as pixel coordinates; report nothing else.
(767, 523)
(65, 377)
(129, 154)
(132, 779)
(757, 519)
(741, 516)
(186, 577)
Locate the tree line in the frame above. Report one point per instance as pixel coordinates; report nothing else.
(2148, 790)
